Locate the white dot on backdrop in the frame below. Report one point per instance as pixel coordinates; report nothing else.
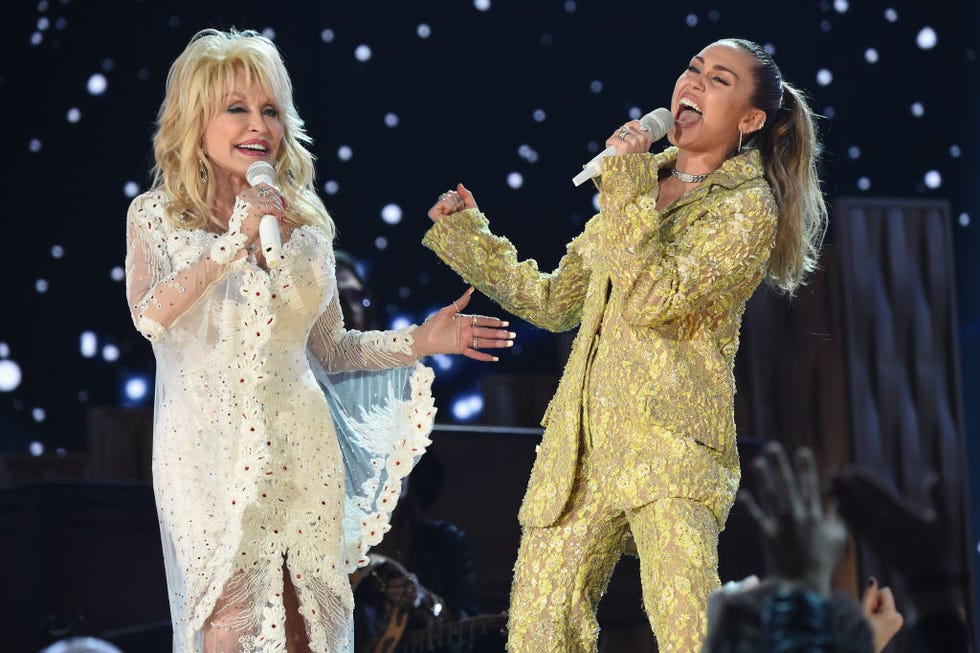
(41, 286)
(423, 30)
(43, 23)
(539, 115)
(4, 350)
(829, 112)
(110, 353)
(824, 77)
(635, 113)
(769, 48)
(131, 189)
(570, 6)
(933, 179)
(595, 201)
(36, 448)
(926, 38)
(864, 183)
(57, 251)
(891, 15)
(964, 222)
(400, 322)
(88, 344)
(854, 152)
(10, 375)
(482, 5)
(825, 25)
(36, 38)
(97, 84)
(74, 115)
(117, 273)
(691, 20)
(391, 119)
(871, 55)
(527, 153)
(344, 153)
(841, 6)
(381, 242)
(61, 23)
(330, 187)
(34, 145)
(954, 151)
(595, 86)
(38, 414)
(391, 213)
(327, 35)
(269, 33)
(108, 65)
(136, 388)
(362, 52)
(917, 109)
(404, 292)
(515, 180)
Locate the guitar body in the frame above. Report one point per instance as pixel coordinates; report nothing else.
(392, 628)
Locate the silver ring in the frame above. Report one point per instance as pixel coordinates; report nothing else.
(441, 197)
(475, 346)
(474, 321)
(264, 192)
(623, 133)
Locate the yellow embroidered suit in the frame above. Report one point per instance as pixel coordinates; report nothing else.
(645, 403)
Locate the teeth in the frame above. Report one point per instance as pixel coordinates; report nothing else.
(690, 104)
(252, 146)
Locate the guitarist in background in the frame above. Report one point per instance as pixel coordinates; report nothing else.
(422, 571)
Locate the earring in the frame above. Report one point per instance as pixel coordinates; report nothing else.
(739, 141)
(202, 171)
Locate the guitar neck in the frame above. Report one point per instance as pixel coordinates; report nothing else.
(450, 632)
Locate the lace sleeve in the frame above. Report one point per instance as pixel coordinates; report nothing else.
(159, 295)
(337, 349)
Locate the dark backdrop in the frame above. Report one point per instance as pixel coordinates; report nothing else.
(479, 91)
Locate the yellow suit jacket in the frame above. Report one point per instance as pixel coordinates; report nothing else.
(658, 297)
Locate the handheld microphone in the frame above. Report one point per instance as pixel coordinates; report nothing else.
(262, 172)
(658, 122)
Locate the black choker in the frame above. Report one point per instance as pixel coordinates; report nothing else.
(687, 178)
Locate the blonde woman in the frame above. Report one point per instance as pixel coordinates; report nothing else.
(639, 443)
(280, 437)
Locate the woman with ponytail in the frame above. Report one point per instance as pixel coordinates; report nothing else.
(639, 444)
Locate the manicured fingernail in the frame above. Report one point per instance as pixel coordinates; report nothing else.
(511, 334)
(510, 343)
(505, 324)
(495, 359)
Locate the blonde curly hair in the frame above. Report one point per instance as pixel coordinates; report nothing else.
(198, 80)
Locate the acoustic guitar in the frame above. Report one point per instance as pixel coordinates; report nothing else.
(393, 633)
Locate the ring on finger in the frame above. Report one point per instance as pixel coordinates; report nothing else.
(474, 321)
(623, 133)
(475, 345)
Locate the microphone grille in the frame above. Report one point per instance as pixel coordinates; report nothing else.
(259, 172)
(659, 121)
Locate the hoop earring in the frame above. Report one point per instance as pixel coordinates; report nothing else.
(202, 171)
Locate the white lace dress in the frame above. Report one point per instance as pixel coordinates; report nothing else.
(278, 435)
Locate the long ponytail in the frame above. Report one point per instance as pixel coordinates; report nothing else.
(788, 145)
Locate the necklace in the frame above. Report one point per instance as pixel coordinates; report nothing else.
(688, 178)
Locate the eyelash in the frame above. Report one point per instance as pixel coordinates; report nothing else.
(694, 69)
(270, 111)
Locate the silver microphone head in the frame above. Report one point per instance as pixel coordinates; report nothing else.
(260, 172)
(658, 122)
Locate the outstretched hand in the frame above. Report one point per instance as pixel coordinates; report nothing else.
(449, 331)
(452, 201)
(802, 542)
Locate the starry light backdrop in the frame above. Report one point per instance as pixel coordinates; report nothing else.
(403, 100)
